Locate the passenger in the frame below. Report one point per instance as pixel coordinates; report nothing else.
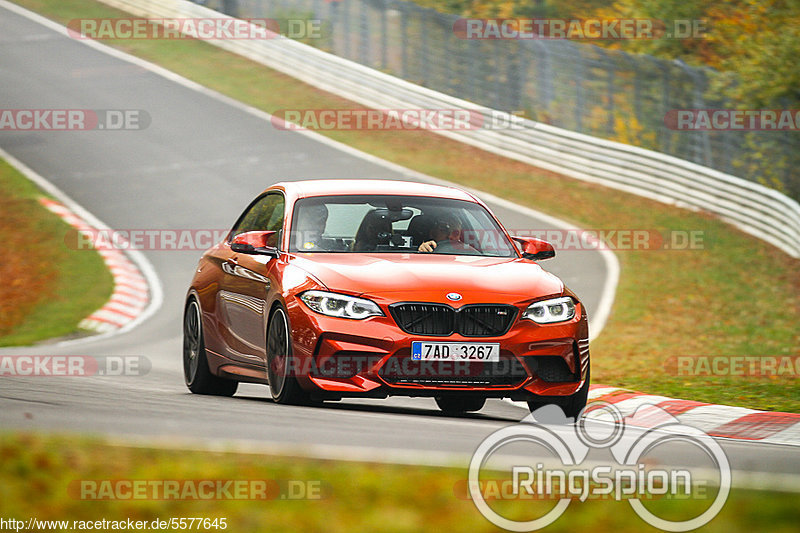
(375, 229)
(310, 227)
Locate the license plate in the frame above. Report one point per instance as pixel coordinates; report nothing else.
(455, 351)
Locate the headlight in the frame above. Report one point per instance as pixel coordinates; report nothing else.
(549, 311)
(341, 305)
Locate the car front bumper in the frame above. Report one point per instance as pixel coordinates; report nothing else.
(338, 357)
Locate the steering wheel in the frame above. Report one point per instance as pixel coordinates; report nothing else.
(447, 246)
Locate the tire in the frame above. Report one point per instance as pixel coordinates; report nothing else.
(454, 405)
(196, 373)
(571, 405)
(282, 384)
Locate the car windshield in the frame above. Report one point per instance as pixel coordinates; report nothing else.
(396, 224)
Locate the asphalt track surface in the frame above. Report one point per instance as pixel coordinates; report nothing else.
(197, 165)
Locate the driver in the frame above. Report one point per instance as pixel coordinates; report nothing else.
(447, 229)
(310, 226)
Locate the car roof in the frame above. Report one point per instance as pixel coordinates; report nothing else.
(329, 187)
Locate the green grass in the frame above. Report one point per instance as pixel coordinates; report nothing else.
(737, 296)
(48, 288)
(40, 477)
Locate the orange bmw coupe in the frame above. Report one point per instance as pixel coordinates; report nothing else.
(326, 289)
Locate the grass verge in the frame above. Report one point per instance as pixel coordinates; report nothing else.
(47, 288)
(40, 477)
(735, 296)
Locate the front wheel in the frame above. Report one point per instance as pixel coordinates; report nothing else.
(453, 405)
(196, 373)
(282, 384)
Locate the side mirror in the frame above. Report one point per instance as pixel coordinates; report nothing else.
(535, 249)
(255, 243)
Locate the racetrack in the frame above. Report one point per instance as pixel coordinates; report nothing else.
(196, 166)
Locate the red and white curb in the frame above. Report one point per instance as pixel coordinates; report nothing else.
(131, 294)
(715, 420)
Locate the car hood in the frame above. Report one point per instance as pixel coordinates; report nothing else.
(425, 277)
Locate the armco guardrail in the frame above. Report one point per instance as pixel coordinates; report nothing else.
(757, 210)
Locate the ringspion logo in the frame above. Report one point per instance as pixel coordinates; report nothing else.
(632, 476)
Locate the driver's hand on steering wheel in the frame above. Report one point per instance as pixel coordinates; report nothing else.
(427, 246)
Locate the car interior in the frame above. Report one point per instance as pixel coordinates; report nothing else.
(389, 225)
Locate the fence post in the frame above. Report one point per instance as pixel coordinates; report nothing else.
(581, 67)
(610, 69)
(424, 48)
(230, 7)
(704, 149)
(666, 140)
(544, 85)
(363, 34)
(637, 94)
(384, 38)
(347, 27)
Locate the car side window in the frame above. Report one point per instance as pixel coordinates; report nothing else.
(265, 214)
